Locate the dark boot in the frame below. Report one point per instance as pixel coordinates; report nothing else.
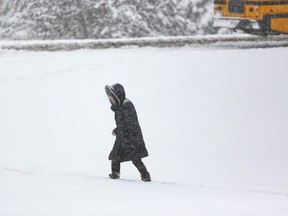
(114, 175)
(145, 175)
(115, 166)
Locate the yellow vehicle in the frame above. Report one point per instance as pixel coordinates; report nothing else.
(253, 16)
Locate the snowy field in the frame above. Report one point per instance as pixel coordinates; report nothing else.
(215, 123)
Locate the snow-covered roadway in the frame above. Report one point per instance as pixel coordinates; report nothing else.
(240, 41)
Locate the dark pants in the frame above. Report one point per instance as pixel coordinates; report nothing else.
(115, 165)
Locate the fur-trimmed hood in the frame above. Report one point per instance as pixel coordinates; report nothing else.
(117, 92)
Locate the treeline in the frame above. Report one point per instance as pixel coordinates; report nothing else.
(82, 19)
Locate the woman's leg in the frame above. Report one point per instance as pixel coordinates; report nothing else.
(145, 175)
(115, 167)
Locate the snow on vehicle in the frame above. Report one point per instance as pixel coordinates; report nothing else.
(252, 16)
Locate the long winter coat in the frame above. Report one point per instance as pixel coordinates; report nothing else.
(129, 144)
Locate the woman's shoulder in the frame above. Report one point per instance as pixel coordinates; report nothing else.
(127, 104)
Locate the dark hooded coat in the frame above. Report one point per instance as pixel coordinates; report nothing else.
(129, 144)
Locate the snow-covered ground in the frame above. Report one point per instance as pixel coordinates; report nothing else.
(214, 120)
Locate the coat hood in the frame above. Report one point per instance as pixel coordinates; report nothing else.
(117, 92)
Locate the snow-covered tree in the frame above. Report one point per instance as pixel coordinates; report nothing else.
(46, 19)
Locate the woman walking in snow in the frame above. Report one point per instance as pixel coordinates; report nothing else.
(129, 144)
